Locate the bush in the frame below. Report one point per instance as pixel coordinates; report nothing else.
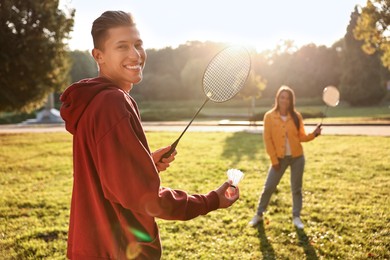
(15, 118)
(305, 115)
(167, 114)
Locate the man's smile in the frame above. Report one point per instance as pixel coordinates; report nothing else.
(133, 67)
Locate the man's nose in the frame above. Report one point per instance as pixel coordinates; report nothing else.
(134, 53)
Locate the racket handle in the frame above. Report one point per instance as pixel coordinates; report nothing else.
(318, 125)
(173, 147)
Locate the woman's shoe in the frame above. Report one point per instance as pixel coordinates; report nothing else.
(255, 220)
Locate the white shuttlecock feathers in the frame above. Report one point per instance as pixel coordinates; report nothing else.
(235, 176)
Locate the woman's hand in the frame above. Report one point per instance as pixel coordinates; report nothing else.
(276, 167)
(163, 164)
(318, 130)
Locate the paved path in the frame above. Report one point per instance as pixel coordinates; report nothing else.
(216, 126)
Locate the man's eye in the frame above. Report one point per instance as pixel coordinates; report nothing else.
(122, 47)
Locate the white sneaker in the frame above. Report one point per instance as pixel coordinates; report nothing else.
(255, 220)
(298, 223)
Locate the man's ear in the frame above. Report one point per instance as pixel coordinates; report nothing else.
(98, 55)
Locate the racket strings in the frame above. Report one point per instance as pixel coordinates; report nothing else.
(226, 74)
(331, 96)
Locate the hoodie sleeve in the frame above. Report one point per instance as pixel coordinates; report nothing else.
(129, 177)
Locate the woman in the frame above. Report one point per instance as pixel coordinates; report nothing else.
(283, 133)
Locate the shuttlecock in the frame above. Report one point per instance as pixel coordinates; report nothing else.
(235, 176)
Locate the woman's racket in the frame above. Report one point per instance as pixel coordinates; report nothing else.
(331, 97)
(223, 78)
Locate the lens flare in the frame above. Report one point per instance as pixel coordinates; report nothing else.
(133, 250)
(140, 235)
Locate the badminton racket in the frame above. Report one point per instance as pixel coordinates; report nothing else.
(331, 97)
(223, 78)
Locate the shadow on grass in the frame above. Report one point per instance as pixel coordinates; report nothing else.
(304, 242)
(242, 144)
(266, 248)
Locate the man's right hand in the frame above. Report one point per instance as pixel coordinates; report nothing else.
(163, 163)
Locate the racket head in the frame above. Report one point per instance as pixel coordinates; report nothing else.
(331, 96)
(226, 73)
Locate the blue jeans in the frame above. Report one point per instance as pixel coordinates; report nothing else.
(297, 166)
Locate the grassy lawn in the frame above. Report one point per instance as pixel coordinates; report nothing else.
(346, 198)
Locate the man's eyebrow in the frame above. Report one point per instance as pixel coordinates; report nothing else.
(126, 41)
(121, 41)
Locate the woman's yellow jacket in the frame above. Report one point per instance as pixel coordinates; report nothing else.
(275, 130)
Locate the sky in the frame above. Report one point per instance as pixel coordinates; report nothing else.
(260, 24)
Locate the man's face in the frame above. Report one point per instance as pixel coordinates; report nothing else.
(123, 56)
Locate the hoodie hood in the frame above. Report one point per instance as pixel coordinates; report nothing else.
(77, 97)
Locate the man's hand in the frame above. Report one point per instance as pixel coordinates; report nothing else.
(163, 164)
(227, 195)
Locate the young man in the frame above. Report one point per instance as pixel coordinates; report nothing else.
(116, 190)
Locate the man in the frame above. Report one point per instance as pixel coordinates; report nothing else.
(116, 190)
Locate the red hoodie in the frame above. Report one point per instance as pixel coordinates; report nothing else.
(116, 187)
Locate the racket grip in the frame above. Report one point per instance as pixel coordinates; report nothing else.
(167, 154)
(318, 126)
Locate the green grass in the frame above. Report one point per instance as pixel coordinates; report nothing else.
(346, 198)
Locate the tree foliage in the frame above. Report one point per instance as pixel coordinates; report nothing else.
(83, 66)
(34, 58)
(373, 28)
(361, 82)
(176, 74)
(307, 70)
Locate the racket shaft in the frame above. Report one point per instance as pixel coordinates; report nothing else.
(324, 115)
(174, 144)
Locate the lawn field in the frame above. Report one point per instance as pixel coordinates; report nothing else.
(346, 198)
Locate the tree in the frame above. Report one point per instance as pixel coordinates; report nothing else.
(361, 78)
(313, 68)
(83, 66)
(34, 58)
(191, 78)
(373, 28)
(178, 72)
(252, 90)
(275, 70)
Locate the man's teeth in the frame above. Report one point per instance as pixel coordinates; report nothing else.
(132, 67)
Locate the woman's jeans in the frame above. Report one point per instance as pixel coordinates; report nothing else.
(297, 166)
